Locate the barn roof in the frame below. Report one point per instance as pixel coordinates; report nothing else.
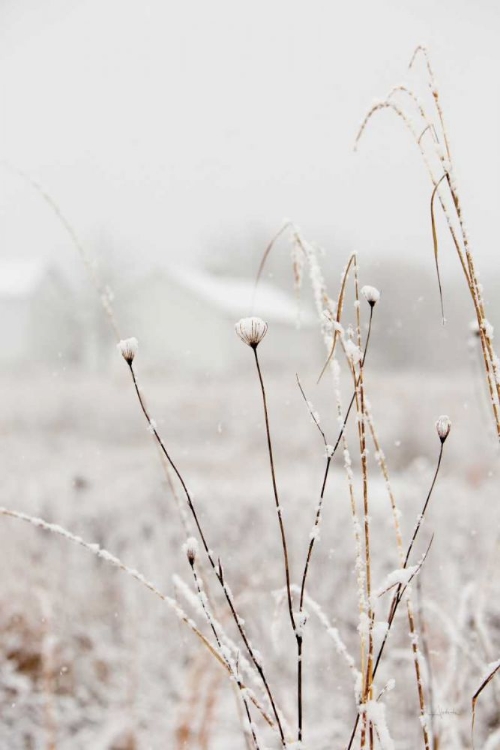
(20, 278)
(234, 295)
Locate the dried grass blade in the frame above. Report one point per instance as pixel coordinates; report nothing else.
(475, 697)
(340, 305)
(435, 243)
(267, 251)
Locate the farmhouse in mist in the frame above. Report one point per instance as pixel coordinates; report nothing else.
(37, 315)
(184, 319)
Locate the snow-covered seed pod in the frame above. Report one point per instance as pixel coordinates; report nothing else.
(443, 427)
(251, 331)
(371, 295)
(128, 349)
(190, 549)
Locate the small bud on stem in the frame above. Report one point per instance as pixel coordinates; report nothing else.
(190, 548)
(371, 295)
(443, 427)
(251, 331)
(128, 349)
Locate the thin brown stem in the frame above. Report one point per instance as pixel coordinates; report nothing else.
(424, 509)
(428, 663)
(275, 491)
(298, 635)
(204, 606)
(132, 573)
(330, 454)
(217, 568)
(399, 598)
(234, 672)
(400, 589)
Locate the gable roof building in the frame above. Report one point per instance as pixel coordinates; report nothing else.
(185, 317)
(36, 314)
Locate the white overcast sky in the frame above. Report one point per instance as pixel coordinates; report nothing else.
(170, 128)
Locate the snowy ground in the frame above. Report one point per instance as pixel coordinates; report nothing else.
(90, 660)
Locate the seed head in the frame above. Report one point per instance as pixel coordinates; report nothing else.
(371, 295)
(128, 349)
(190, 548)
(251, 331)
(443, 427)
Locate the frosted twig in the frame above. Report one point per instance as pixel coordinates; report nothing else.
(281, 525)
(102, 290)
(217, 568)
(117, 563)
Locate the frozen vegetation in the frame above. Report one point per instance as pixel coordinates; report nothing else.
(258, 558)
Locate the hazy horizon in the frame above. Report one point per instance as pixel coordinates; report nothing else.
(189, 131)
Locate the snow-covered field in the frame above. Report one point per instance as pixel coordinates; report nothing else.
(90, 659)
(185, 563)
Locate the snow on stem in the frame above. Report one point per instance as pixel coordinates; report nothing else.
(216, 567)
(492, 670)
(111, 559)
(298, 634)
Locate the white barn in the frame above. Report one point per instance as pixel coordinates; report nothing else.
(37, 318)
(185, 317)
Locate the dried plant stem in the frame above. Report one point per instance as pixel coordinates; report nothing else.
(117, 563)
(428, 664)
(313, 606)
(267, 251)
(330, 452)
(204, 605)
(251, 724)
(435, 242)
(217, 568)
(426, 504)
(418, 671)
(314, 535)
(300, 640)
(492, 671)
(359, 397)
(232, 670)
(394, 606)
(279, 512)
(417, 138)
(491, 363)
(368, 678)
(103, 292)
(352, 261)
(228, 644)
(398, 596)
(399, 539)
(324, 303)
(101, 289)
(411, 617)
(435, 92)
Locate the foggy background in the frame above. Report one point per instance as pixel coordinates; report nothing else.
(188, 131)
(175, 138)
